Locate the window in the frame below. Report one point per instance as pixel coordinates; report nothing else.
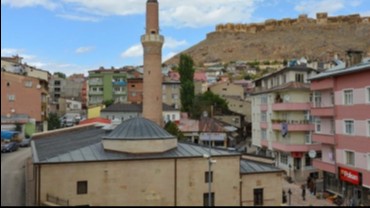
(263, 116)
(348, 97)
(173, 117)
(258, 197)
(133, 86)
(164, 96)
(349, 127)
(299, 77)
(350, 158)
(263, 134)
(57, 82)
(264, 99)
(207, 175)
(368, 94)
(28, 83)
(11, 97)
(209, 199)
(318, 125)
(332, 126)
(308, 139)
(81, 187)
(368, 128)
(317, 99)
(368, 161)
(133, 94)
(284, 158)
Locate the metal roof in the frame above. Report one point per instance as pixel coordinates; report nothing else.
(84, 145)
(132, 107)
(365, 65)
(138, 129)
(248, 166)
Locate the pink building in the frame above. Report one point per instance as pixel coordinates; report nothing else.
(341, 107)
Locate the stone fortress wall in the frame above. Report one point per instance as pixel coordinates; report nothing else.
(272, 24)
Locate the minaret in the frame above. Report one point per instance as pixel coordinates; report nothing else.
(152, 43)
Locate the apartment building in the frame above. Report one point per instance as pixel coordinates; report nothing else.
(341, 108)
(22, 95)
(281, 124)
(135, 90)
(171, 93)
(107, 84)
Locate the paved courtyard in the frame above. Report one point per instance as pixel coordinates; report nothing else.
(296, 197)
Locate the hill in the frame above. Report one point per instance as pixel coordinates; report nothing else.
(316, 39)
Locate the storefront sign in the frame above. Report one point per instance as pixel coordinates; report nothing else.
(297, 154)
(350, 176)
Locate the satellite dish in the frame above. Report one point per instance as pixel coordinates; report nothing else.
(312, 153)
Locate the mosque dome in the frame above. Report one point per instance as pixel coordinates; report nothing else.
(139, 135)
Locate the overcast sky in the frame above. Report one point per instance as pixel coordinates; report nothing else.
(75, 36)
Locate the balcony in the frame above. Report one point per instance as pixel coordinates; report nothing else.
(120, 92)
(293, 125)
(328, 167)
(291, 106)
(95, 82)
(323, 138)
(287, 147)
(322, 111)
(263, 107)
(264, 143)
(95, 92)
(263, 125)
(152, 38)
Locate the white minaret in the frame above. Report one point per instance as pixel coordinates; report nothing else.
(152, 43)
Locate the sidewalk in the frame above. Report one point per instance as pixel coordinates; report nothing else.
(296, 197)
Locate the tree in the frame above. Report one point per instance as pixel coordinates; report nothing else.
(60, 75)
(186, 70)
(203, 102)
(172, 128)
(53, 121)
(107, 103)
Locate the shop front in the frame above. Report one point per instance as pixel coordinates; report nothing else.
(353, 192)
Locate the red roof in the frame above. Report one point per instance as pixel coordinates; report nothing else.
(95, 120)
(200, 76)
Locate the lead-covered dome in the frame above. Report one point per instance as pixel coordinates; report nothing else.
(139, 135)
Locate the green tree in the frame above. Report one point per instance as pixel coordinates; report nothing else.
(172, 128)
(53, 121)
(203, 102)
(186, 70)
(107, 103)
(60, 75)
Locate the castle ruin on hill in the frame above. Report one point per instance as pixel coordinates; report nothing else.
(322, 19)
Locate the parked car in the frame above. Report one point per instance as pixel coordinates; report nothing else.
(25, 142)
(10, 147)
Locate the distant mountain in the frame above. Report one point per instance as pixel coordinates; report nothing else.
(315, 39)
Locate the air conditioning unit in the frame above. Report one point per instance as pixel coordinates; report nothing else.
(38, 86)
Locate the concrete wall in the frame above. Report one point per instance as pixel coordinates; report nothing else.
(271, 183)
(144, 182)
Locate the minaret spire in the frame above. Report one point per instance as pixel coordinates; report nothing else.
(152, 43)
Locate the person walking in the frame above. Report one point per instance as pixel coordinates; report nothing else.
(303, 192)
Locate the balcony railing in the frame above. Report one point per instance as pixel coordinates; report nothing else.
(293, 125)
(95, 92)
(95, 82)
(328, 167)
(288, 147)
(323, 138)
(291, 106)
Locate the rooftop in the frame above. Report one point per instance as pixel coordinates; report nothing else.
(249, 167)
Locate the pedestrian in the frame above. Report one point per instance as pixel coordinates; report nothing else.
(303, 192)
(314, 187)
(311, 186)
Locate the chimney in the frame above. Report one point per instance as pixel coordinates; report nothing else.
(353, 57)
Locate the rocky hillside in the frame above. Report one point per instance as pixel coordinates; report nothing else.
(315, 39)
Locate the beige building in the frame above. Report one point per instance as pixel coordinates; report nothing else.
(281, 122)
(171, 93)
(227, 89)
(138, 164)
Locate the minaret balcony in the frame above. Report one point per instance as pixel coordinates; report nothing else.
(152, 38)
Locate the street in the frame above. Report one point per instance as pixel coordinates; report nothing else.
(13, 177)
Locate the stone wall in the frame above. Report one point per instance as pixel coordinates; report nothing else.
(272, 24)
